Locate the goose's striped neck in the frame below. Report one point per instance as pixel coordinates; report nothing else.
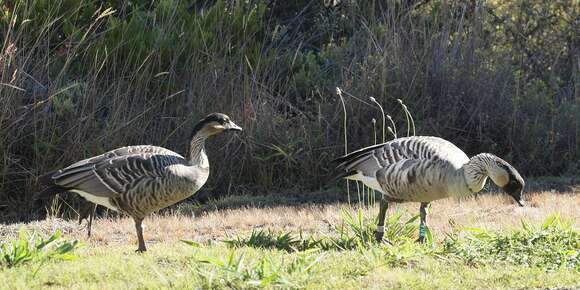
(197, 156)
(477, 170)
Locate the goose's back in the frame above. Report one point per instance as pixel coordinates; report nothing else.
(372, 158)
(124, 151)
(437, 148)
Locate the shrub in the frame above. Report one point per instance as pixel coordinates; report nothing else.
(80, 77)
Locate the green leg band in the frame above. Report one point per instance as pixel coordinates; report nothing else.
(422, 230)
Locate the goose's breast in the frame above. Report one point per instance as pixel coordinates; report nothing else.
(149, 195)
(148, 199)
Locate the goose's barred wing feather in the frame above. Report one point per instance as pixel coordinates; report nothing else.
(370, 159)
(112, 173)
(124, 151)
(398, 177)
(409, 179)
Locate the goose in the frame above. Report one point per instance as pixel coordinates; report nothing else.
(423, 169)
(138, 180)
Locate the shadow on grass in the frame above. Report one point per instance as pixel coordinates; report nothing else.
(263, 201)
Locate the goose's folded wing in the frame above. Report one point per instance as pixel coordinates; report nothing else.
(111, 177)
(371, 159)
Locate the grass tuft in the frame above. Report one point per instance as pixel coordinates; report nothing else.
(235, 271)
(355, 232)
(550, 246)
(35, 249)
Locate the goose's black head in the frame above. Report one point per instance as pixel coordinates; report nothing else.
(215, 123)
(513, 181)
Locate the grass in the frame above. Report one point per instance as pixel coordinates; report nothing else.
(176, 265)
(478, 243)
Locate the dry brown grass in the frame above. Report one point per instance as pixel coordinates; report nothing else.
(490, 212)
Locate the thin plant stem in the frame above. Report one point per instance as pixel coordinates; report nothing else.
(382, 114)
(410, 121)
(371, 191)
(360, 203)
(392, 129)
(374, 122)
(339, 93)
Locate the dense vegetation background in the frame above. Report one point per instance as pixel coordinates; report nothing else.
(80, 77)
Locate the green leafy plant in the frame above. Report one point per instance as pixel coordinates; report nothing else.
(23, 250)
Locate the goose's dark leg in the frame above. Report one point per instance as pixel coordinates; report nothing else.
(90, 225)
(423, 224)
(380, 226)
(139, 229)
(87, 212)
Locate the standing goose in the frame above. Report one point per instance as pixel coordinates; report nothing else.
(423, 169)
(138, 180)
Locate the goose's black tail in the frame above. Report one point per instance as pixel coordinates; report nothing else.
(51, 188)
(354, 162)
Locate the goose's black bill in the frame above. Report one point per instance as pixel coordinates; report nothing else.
(231, 126)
